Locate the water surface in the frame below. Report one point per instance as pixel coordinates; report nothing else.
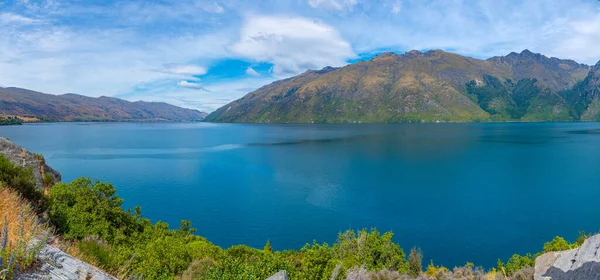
(461, 192)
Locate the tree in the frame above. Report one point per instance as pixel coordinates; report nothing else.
(415, 259)
(268, 247)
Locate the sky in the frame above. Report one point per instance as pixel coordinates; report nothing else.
(203, 54)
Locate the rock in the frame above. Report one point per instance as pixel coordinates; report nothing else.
(57, 265)
(24, 158)
(580, 263)
(281, 275)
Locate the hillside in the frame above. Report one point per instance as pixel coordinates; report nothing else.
(73, 107)
(585, 96)
(415, 87)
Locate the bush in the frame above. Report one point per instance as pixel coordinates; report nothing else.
(557, 244)
(415, 259)
(21, 180)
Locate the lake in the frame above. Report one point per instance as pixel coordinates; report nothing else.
(460, 192)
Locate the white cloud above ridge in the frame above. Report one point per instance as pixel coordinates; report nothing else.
(252, 72)
(291, 44)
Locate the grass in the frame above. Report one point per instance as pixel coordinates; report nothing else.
(21, 235)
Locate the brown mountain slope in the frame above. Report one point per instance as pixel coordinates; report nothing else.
(73, 107)
(415, 86)
(554, 73)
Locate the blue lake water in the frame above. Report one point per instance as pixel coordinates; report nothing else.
(461, 192)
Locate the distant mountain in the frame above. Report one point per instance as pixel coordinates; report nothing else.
(585, 96)
(72, 107)
(415, 87)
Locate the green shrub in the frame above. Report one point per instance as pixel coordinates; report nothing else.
(21, 180)
(557, 244)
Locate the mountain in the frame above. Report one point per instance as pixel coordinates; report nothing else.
(417, 86)
(72, 107)
(585, 96)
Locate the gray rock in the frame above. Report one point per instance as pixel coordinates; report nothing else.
(57, 265)
(580, 263)
(24, 158)
(281, 275)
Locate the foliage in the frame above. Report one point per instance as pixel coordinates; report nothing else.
(524, 91)
(557, 244)
(85, 208)
(415, 259)
(119, 241)
(10, 120)
(493, 97)
(21, 180)
(517, 262)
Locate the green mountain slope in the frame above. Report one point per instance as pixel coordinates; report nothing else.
(415, 87)
(585, 96)
(73, 107)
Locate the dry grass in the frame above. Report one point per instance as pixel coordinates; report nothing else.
(23, 118)
(11, 205)
(21, 237)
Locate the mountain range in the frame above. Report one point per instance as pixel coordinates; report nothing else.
(427, 87)
(36, 106)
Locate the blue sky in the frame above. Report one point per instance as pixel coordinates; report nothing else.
(203, 54)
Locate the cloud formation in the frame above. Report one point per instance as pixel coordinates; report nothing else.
(252, 72)
(183, 69)
(187, 84)
(291, 44)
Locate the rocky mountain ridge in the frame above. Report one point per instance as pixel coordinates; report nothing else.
(420, 87)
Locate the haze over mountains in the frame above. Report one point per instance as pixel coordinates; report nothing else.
(73, 107)
(426, 87)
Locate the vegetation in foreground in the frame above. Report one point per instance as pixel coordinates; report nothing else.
(21, 234)
(89, 215)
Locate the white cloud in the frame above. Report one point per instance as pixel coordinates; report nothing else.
(94, 63)
(213, 96)
(187, 84)
(481, 29)
(213, 8)
(397, 7)
(10, 18)
(182, 69)
(333, 4)
(292, 44)
(583, 40)
(252, 72)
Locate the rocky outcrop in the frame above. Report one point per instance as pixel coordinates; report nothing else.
(27, 159)
(57, 265)
(579, 263)
(281, 275)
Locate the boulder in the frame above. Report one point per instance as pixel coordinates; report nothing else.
(281, 275)
(25, 158)
(579, 263)
(58, 265)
